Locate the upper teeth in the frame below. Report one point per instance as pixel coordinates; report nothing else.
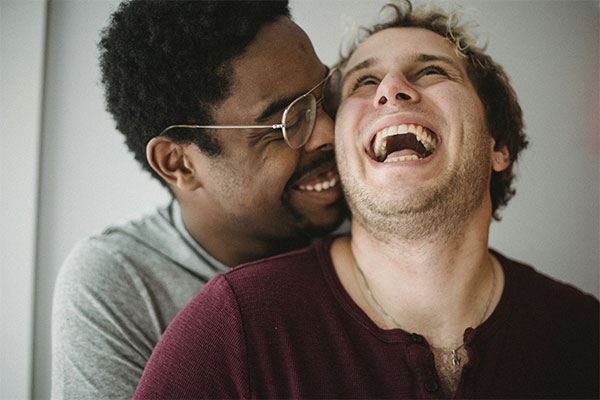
(321, 185)
(423, 136)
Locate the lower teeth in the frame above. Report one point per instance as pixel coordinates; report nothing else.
(401, 158)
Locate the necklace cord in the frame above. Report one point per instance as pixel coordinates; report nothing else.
(452, 351)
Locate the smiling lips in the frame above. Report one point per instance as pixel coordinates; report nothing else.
(324, 181)
(403, 142)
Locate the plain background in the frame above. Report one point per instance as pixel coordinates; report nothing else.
(65, 172)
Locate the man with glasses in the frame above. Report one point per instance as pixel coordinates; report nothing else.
(223, 102)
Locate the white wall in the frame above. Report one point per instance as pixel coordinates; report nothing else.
(22, 33)
(88, 179)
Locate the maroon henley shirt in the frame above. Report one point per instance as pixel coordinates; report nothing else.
(285, 327)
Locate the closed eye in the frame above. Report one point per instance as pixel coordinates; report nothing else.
(267, 135)
(274, 136)
(364, 81)
(433, 70)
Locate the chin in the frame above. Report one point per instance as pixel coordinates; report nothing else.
(328, 221)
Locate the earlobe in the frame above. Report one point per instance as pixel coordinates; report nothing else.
(169, 160)
(500, 158)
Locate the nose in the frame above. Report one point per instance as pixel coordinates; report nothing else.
(394, 90)
(322, 135)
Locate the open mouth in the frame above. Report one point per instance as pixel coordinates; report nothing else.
(404, 142)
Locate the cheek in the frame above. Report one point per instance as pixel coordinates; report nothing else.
(270, 178)
(277, 165)
(468, 104)
(272, 162)
(254, 178)
(462, 109)
(347, 124)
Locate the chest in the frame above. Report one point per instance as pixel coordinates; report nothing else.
(449, 365)
(309, 365)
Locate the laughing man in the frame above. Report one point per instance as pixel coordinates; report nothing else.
(259, 180)
(413, 304)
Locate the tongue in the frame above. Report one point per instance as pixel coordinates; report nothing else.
(404, 145)
(404, 152)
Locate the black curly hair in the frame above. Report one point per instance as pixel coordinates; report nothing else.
(503, 113)
(167, 62)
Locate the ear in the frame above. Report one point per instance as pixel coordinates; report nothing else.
(170, 160)
(500, 157)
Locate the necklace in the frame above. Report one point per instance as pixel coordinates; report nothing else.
(453, 351)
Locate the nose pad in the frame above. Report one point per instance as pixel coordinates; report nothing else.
(321, 137)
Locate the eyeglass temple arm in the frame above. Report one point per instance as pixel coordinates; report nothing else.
(276, 126)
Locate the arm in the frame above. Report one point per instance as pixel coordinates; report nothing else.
(202, 354)
(103, 326)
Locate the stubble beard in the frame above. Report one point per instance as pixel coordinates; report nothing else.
(439, 212)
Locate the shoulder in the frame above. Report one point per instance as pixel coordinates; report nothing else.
(204, 351)
(223, 295)
(545, 300)
(218, 304)
(113, 256)
(92, 263)
(96, 318)
(210, 310)
(101, 284)
(136, 271)
(537, 286)
(97, 263)
(295, 273)
(297, 264)
(108, 284)
(553, 331)
(250, 292)
(114, 296)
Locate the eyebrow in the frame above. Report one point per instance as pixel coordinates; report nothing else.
(279, 104)
(361, 65)
(441, 58)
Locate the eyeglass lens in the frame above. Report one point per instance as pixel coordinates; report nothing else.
(299, 120)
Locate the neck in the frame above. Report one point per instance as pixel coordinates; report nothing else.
(436, 287)
(229, 245)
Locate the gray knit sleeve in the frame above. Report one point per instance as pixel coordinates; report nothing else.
(104, 325)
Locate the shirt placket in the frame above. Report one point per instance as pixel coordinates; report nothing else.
(422, 363)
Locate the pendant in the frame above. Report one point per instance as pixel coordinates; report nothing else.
(455, 358)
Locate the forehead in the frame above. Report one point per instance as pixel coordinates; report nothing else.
(401, 45)
(280, 63)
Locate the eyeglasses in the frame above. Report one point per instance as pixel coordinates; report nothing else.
(298, 119)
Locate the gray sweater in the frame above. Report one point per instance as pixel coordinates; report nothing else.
(114, 297)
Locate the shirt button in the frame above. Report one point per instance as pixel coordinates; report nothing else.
(416, 338)
(432, 386)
